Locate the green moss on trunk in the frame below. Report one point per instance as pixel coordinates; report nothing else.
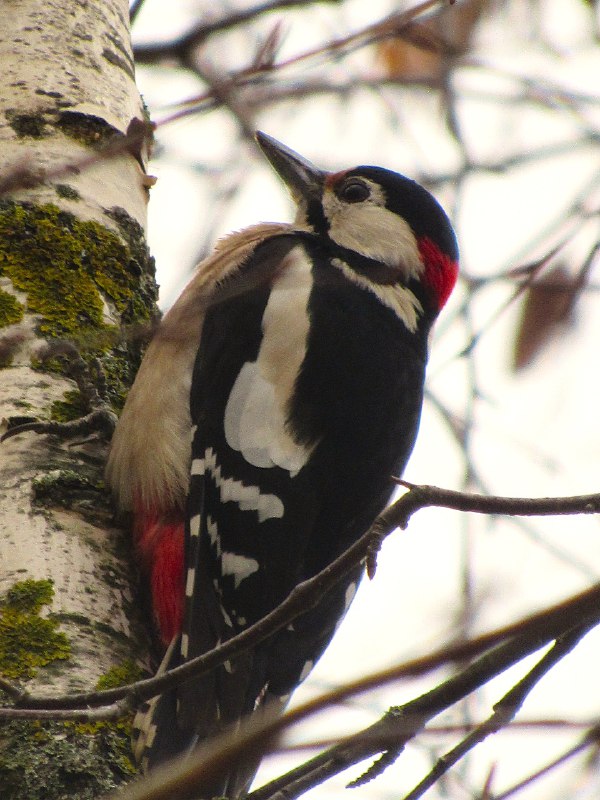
(11, 311)
(73, 272)
(69, 267)
(39, 759)
(27, 640)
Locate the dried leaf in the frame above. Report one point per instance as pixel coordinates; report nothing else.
(547, 308)
(421, 50)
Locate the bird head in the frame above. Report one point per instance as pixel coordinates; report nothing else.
(385, 226)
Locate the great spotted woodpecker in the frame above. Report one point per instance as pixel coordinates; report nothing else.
(277, 399)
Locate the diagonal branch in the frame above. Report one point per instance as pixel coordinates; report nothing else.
(181, 778)
(307, 594)
(157, 51)
(389, 26)
(504, 711)
(591, 739)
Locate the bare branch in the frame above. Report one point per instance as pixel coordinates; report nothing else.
(152, 53)
(181, 778)
(504, 711)
(308, 593)
(591, 739)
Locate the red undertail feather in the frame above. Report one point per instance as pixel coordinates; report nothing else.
(441, 270)
(159, 540)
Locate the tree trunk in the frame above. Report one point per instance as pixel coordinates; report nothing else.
(73, 267)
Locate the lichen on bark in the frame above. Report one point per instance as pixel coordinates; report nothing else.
(29, 641)
(83, 281)
(70, 269)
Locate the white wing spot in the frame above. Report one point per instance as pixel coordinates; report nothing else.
(249, 498)
(350, 595)
(227, 618)
(197, 467)
(241, 567)
(195, 525)
(189, 584)
(150, 736)
(213, 534)
(261, 696)
(269, 507)
(348, 598)
(255, 424)
(185, 643)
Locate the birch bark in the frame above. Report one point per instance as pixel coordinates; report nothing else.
(73, 267)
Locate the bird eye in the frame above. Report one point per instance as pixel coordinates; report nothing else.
(354, 191)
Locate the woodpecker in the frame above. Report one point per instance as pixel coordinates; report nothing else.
(277, 399)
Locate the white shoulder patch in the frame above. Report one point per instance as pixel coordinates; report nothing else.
(255, 424)
(374, 231)
(255, 415)
(149, 459)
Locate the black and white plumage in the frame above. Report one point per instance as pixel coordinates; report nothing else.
(295, 363)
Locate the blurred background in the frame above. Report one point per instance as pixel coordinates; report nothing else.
(495, 108)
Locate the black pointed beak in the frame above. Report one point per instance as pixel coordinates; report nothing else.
(302, 178)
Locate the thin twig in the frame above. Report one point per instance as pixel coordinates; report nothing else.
(157, 51)
(384, 28)
(401, 724)
(183, 777)
(504, 712)
(308, 593)
(105, 713)
(591, 739)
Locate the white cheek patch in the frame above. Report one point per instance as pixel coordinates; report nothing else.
(256, 411)
(375, 232)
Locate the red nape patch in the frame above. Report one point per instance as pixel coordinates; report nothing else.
(441, 271)
(160, 543)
